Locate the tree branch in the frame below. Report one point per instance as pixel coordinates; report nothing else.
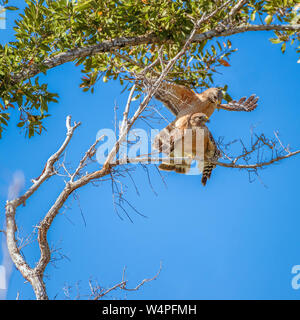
(259, 164)
(118, 43)
(123, 285)
(34, 277)
(235, 9)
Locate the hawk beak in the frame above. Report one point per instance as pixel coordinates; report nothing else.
(220, 97)
(219, 104)
(207, 119)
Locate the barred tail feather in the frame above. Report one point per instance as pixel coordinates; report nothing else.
(207, 170)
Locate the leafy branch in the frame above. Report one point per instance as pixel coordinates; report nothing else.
(98, 34)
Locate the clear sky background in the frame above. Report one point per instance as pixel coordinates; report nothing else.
(230, 240)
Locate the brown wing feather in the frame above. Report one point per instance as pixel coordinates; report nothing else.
(243, 104)
(176, 97)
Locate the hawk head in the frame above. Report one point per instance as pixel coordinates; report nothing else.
(198, 119)
(214, 95)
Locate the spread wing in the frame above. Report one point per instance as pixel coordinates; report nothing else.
(176, 97)
(243, 104)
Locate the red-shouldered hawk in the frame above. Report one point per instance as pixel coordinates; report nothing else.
(184, 103)
(188, 137)
(181, 100)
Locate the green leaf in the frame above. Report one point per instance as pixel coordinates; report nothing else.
(12, 8)
(275, 40)
(21, 124)
(268, 19)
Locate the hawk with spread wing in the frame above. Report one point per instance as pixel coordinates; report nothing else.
(187, 105)
(181, 100)
(188, 137)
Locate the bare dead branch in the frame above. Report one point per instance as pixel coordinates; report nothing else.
(49, 169)
(235, 9)
(122, 285)
(267, 152)
(88, 155)
(144, 281)
(259, 164)
(10, 210)
(126, 111)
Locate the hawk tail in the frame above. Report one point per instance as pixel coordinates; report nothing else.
(207, 170)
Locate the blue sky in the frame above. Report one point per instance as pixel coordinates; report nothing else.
(2, 18)
(230, 240)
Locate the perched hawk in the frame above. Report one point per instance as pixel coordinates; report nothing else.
(188, 137)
